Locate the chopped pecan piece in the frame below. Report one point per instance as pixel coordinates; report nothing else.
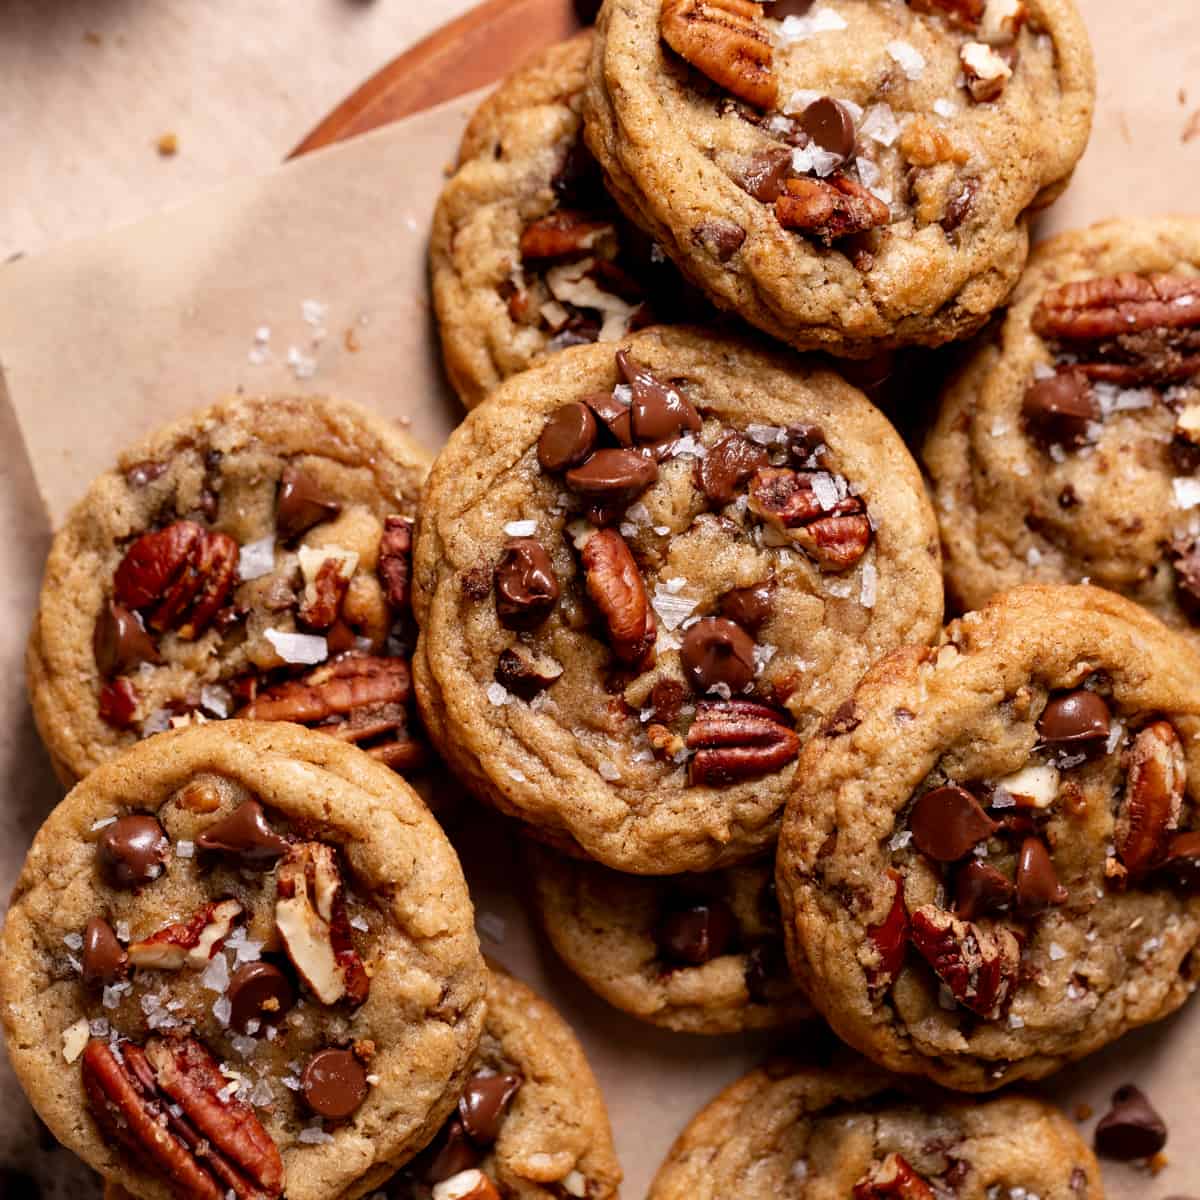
(836, 537)
(189, 943)
(966, 14)
(395, 561)
(985, 71)
(563, 234)
(736, 740)
(831, 208)
(727, 41)
(616, 588)
(890, 940)
(1154, 788)
(892, 1179)
(980, 967)
(1002, 21)
(118, 703)
(327, 575)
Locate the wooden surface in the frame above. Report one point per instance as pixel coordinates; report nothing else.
(478, 48)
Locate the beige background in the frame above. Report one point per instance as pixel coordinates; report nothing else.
(102, 339)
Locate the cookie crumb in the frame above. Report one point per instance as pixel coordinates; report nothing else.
(1083, 1111)
(168, 145)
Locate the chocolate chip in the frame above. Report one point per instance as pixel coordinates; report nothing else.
(719, 237)
(959, 206)
(613, 475)
(526, 586)
(981, 891)
(1037, 881)
(614, 416)
(120, 641)
(568, 437)
(697, 934)
(765, 174)
(845, 720)
(258, 991)
(526, 673)
(1078, 720)
(1131, 1128)
(831, 126)
(301, 504)
(750, 607)
(334, 1084)
(104, 958)
(728, 465)
(948, 822)
(246, 833)
(1181, 862)
(143, 473)
(483, 1104)
(806, 443)
(1068, 497)
(716, 652)
(450, 1154)
(131, 851)
(764, 964)
(577, 183)
(1058, 410)
(659, 412)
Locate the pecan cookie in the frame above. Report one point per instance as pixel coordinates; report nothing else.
(793, 1130)
(1069, 447)
(693, 953)
(642, 578)
(251, 560)
(240, 959)
(854, 176)
(992, 868)
(529, 254)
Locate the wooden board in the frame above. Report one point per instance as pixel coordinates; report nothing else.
(480, 47)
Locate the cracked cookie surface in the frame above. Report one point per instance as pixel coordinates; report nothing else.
(248, 938)
(990, 871)
(643, 578)
(1069, 446)
(851, 178)
(789, 1130)
(250, 560)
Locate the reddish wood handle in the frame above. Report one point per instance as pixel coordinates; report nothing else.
(480, 47)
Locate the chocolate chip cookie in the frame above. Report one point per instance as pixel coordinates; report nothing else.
(251, 560)
(847, 176)
(529, 254)
(1069, 447)
(693, 953)
(793, 1130)
(992, 868)
(240, 959)
(643, 578)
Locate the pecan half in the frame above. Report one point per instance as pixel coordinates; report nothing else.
(189, 943)
(1126, 329)
(333, 690)
(1154, 787)
(165, 1106)
(836, 537)
(736, 740)
(616, 588)
(890, 939)
(563, 234)
(310, 915)
(727, 41)
(831, 208)
(892, 1179)
(979, 966)
(966, 14)
(395, 561)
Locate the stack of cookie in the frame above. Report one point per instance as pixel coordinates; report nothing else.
(670, 599)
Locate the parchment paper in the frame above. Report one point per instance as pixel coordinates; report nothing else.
(102, 340)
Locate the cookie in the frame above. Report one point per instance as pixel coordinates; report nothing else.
(529, 254)
(793, 1130)
(990, 869)
(531, 1120)
(251, 560)
(1069, 446)
(855, 176)
(642, 578)
(694, 953)
(251, 935)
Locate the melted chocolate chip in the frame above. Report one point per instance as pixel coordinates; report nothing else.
(258, 991)
(948, 822)
(613, 475)
(764, 964)
(716, 651)
(450, 1154)
(132, 851)
(1181, 862)
(615, 417)
(1132, 1128)
(247, 834)
(568, 437)
(750, 607)
(334, 1084)
(719, 237)
(695, 935)
(483, 1104)
(765, 174)
(120, 641)
(1059, 409)
(831, 126)
(728, 465)
(146, 472)
(527, 588)
(301, 504)
(959, 206)
(981, 891)
(104, 958)
(1037, 881)
(659, 413)
(577, 182)
(1079, 721)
